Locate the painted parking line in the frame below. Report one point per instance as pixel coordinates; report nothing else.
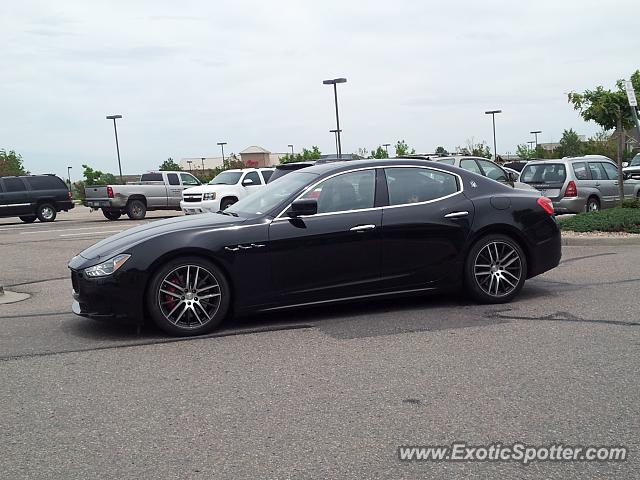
(90, 233)
(60, 230)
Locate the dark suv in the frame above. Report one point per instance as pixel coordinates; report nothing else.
(34, 196)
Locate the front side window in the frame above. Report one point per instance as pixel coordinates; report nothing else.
(349, 191)
(408, 185)
(14, 185)
(189, 179)
(254, 177)
(610, 170)
(492, 171)
(470, 166)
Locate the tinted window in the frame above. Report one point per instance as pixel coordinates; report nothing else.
(493, 171)
(45, 183)
(349, 191)
(14, 185)
(597, 172)
(266, 174)
(448, 161)
(413, 185)
(544, 172)
(173, 179)
(610, 170)
(254, 177)
(151, 177)
(580, 171)
(471, 166)
(189, 179)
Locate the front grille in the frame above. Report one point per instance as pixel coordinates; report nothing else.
(192, 198)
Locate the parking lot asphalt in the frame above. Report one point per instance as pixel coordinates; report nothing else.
(317, 393)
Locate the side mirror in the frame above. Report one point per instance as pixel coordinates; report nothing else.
(247, 181)
(513, 177)
(307, 206)
(625, 164)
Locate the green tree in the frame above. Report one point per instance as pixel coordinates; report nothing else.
(610, 110)
(525, 152)
(570, 144)
(169, 165)
(379, 153)
(441, 151)
(403, 149)
(96, 177)
(11, 164)
(306, 155)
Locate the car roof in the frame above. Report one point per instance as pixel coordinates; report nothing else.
(334, 167)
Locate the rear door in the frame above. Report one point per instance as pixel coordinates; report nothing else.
(424, 227)
(174, 190)
(612, 174)
(607, 189)
(15, 197)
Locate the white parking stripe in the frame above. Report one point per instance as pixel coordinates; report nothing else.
(90, 233)
(60, 230)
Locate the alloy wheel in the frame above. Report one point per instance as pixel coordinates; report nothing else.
(189, 296)
(47, 213)
(498, 269)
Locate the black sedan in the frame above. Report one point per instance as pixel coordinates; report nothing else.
(327, 233)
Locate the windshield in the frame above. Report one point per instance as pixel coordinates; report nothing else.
(270, 196)
(226, 178)
(635, 162)
(543, 173)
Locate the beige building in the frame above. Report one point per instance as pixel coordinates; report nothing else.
(253, 156)
(196, 163)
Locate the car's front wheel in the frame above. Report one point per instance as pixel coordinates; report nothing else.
(495, 269)
(188, 296)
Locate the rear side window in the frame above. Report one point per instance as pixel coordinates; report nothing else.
(45, 183)
(471, 166)
(14, 185)
(610, 170)
(544, 173)
(492, 171)
(266, 174)
(414, 185)
(580, 171)
(597, 172)
(151, 177)
(173, 179)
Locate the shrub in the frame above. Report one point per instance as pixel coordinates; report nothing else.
(617, 219)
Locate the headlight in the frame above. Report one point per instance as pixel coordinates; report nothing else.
(108, 267)
(209, 196)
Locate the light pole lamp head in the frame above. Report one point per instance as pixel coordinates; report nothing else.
(492, 112)
(536, 131)
(113, 117)
(333, 81)
(222, 143)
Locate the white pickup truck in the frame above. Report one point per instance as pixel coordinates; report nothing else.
(224, 190)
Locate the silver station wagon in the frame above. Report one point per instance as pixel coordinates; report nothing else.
(578, 184)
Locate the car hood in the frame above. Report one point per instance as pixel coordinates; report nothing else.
(208, 188)
(115, 244)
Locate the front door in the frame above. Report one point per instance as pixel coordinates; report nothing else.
(335, 253)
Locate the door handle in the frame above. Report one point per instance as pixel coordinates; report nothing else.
(597, 184)
(456, 214)
(362, 228)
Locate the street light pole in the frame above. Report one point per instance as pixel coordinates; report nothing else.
(190, 162)
(386, 147)
(493, 117)
(291, 147)
(222, 144)
(531, 143)
(335, 82)
(115, 130)
(69, 175)
(202, 158)
(536, 132)
(336, 133)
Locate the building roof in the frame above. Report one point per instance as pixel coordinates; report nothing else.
(254, 149)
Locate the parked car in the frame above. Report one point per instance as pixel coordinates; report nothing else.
(332, 232)
(224, 190)
(578, 184)
(34, 196)
(154, 191)
(285, 168)
(516, 165)
(632, 169)
(486, 168)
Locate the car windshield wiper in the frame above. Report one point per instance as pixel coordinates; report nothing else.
(231, 214)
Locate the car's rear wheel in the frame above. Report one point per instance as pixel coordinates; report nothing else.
(136, 210)
(111, 214)
(495, 269)
(28, 218)
(46, 212)
(188, 296)
(593, 204)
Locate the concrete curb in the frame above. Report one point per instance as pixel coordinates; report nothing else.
(594, 240)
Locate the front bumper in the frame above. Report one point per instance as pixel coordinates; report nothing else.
(194, 208)
(116, 298)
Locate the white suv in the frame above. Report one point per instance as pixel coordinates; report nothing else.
(224, 190)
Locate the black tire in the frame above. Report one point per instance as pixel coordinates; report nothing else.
(227, 202)
(111, 214)
(28, 219)
(593, 204)
(46, 212)
(485, 265)
(178, 311)
(136, 209)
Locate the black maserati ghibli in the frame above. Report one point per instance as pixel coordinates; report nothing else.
(333, 232)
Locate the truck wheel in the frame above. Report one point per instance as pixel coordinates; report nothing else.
(111, 214)
(136, 210)
(226, 203)
(46, 212)
(28, 219)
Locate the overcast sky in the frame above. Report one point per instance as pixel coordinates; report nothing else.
(188, 74)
